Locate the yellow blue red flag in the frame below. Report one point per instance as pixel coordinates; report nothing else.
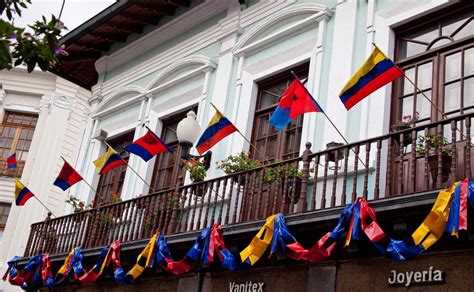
(22, 193)
(108, 161)
(376, 71)
(218, 128)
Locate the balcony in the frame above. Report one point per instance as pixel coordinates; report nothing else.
(381, 169)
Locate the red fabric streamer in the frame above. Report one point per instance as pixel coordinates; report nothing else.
(372, 229)
(463, 204)
(315, 254)
(216, 243)
(176, 268)
(46, 268)
(113, 256)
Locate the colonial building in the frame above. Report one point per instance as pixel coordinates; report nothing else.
(150, 63)
(41, 117)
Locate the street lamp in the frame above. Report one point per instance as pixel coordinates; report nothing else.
(188, 132)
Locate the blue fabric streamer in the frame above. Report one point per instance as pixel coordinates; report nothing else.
(343, 223)
(356, 222)
(281, 234)
(470, 193)
(453, 219)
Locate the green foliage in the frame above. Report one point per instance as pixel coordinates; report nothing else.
(433, 142)
(271, 174)
(78, 205)
(19, 47)
(116, 198)
(237, 163)
(196, 168)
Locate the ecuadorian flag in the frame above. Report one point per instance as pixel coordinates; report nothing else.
(108, 161)
(218, 128)
(22, 193)
(376, 71)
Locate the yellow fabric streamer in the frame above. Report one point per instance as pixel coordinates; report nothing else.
(63, 270)
(258, 246)
(434, 224)
(148, 253)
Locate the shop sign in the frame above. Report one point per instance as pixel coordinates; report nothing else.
(248, 286)
(429, 276)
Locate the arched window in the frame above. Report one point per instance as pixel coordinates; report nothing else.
(437, 53)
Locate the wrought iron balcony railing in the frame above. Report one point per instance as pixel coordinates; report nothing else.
(388, 165)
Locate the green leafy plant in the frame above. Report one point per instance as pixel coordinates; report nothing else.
(116, 198)
(237, 163)
(430, 143)
(196, 168)
(78, 205)
(271, 174)
(20, 47)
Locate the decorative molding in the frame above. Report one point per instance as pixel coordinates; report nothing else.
(58, 100)
(249, 42)
(205, 62)
(102, 107)
(3, 96)
(197, 42)
(162, 34)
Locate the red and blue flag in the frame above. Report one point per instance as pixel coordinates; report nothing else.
(295, 101)
(67, 177)
(148, 146)
(11, 161)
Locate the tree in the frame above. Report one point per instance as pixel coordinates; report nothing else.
(20, 47)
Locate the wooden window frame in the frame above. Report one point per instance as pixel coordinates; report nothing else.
(114, 179)
(433, 54)
(19, 127)
(3, 207)
(158, 169)
(296, 126)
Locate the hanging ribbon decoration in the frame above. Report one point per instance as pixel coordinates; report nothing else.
(254, 251)
(199, 251)
(434, 224)
(217, 245)
(448, 214)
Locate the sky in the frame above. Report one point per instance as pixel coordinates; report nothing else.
(75, 12)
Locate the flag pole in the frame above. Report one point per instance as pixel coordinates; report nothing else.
(418, 90)
(95, 191)
(44, 205)
(243, 136)
(331, 122)
(126, 163)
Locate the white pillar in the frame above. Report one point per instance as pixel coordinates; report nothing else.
(41, 168)
(341, 67)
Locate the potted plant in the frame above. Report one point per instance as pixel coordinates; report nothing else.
(407, 122)
(237, 163)
(332, 154)
(116, 198)
(196, 168)
(433, 144)
(273, 173)
(79, 206)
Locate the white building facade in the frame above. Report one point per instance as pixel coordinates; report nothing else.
(43, 116)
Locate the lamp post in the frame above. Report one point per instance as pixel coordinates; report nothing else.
(188, 132)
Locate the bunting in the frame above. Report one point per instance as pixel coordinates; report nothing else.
(356, 219)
